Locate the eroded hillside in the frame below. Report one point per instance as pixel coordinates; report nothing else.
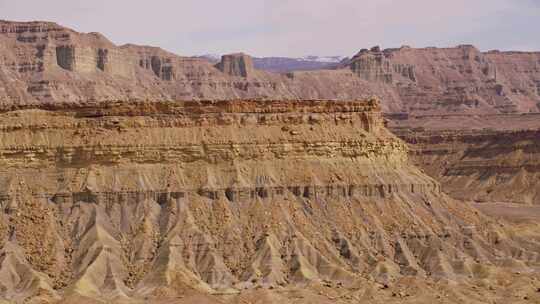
(154, 201)
(459, 80)
(130, 174)
(483, 158)
(43, 62)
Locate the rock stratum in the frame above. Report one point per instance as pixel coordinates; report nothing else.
(135, 201)
(491, 158)
(42, 62)
(460, 80)
(129, 174)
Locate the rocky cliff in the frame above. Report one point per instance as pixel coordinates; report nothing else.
(129, 200)
(44, 62)
(236, 65)
(130, 174)
(461, 112)
(454, 80)
(485, 159)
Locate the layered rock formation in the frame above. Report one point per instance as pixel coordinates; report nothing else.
(453, 80)
(128, 173)
(485, 159)
(46, 63)
(129, 200)
(236, 65)
(461, 114)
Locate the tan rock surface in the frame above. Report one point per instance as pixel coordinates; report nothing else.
(44, 62)
(459, 80)
(129, 174)
(201, 200)
(483, 158)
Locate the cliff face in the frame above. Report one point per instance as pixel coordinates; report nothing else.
(147, 200)
(126, 176)
(236, 65)
(497, 162)
(454, 80)
(461, 113)
(46, 63)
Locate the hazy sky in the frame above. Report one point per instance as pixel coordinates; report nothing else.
(293, 27)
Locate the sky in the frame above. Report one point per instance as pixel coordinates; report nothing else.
(293, 27)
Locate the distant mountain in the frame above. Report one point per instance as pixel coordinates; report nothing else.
(324, 59)
(285, 64)
(213, 58)
(288, 64)
(45, 63)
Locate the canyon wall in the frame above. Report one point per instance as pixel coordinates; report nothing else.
(454, 80)
(468, 116)
(130, 200)
(128, 173)
(483, 159)
(43, 62)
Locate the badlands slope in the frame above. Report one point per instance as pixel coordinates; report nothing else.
(227, 199)
(130, 174)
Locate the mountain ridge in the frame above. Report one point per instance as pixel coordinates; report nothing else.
(129, 174)
(54, 64)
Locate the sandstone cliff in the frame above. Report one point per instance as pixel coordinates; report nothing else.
(484, 158)
(236, 65)
(454, 80)
(46, 63)
(129, 200)
(128, 173)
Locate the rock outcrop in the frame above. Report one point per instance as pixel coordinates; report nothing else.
(131, 200)
(236, 65)
(128, 173)
(483, 159)
(453, 80)
(374, 65)
(46, 63)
